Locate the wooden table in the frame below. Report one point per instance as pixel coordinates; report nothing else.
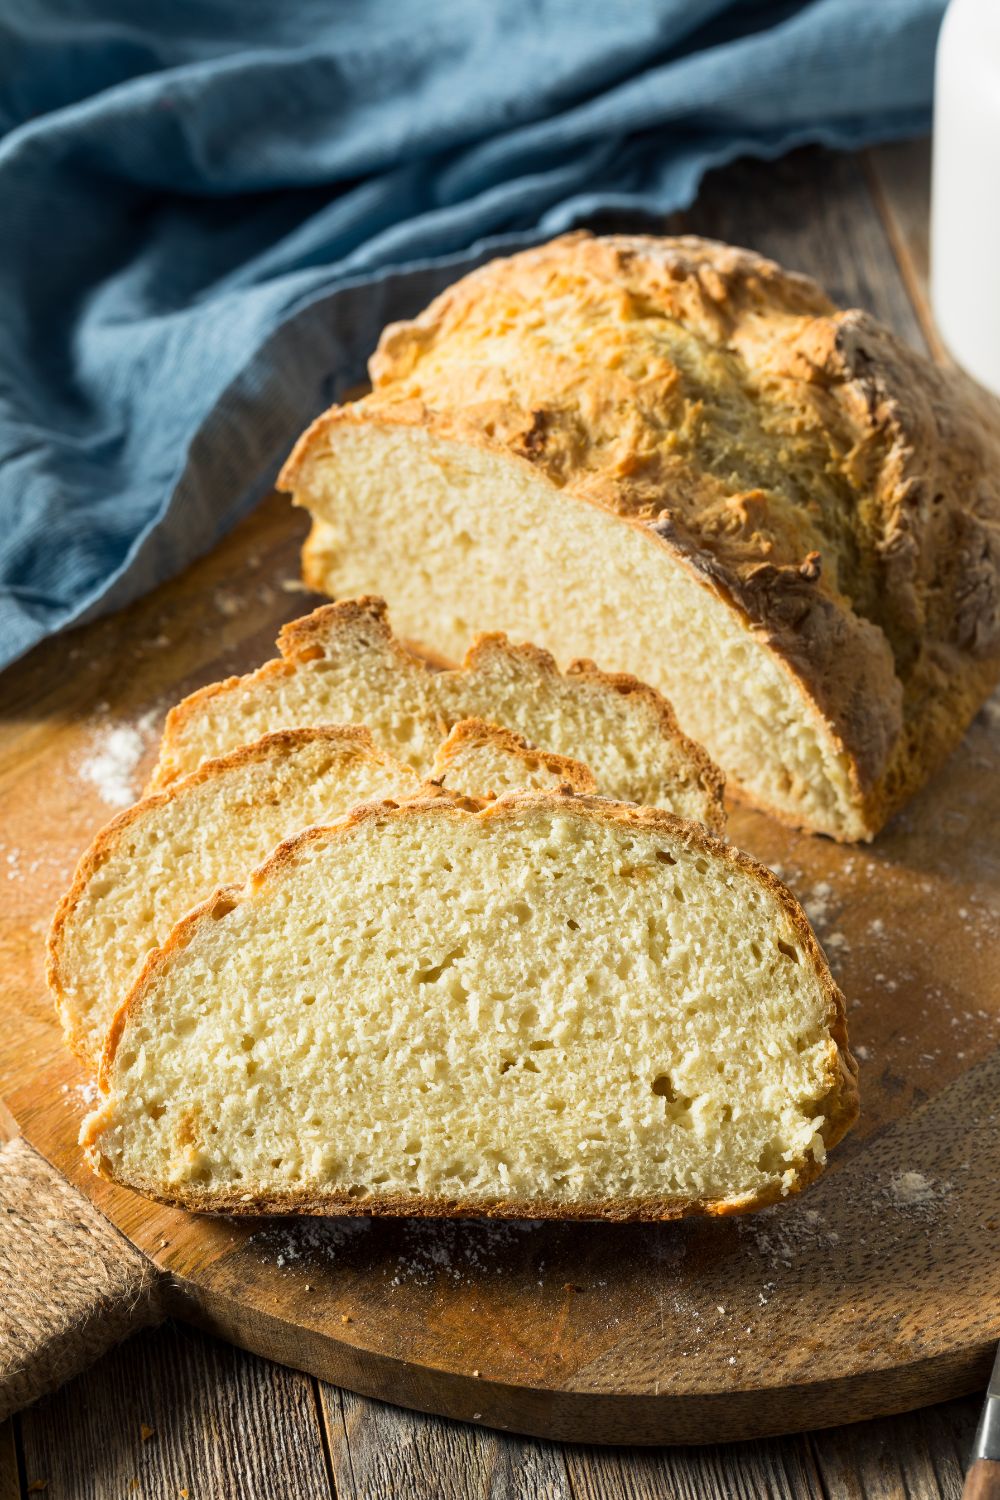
(174, 1413)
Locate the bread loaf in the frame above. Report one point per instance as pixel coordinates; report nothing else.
(685, 461)
(342, 665)
(154, 862)
(555, 1006)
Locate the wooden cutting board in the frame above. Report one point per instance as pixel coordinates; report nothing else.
(875, 1291)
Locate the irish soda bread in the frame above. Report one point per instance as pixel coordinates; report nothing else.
(160, 858)
(343, 665)
(686, 462)
(550, 1006)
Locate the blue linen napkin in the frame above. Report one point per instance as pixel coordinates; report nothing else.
(208, 210)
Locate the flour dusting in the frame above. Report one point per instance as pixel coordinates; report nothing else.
(114, 759)
(780, 1235)
(914, 1190)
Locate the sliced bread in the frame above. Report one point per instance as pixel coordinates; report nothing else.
(552, 1006)
(681, 459)
(482, 760)
(343, 665)
(154, 862)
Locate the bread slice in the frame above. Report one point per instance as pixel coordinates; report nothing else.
(154, 862)
(553, 1006)
(485, 761)
(342, 664)
(680, 459)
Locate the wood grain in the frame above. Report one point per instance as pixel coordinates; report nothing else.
(378, 1450)
(10, 1479)
(899, 175)
(374, 1451)
(921, 1455)
(780, 1468)
(877, 1290)
(178, 1413)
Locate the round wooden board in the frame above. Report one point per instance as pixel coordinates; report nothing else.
(875, 1291)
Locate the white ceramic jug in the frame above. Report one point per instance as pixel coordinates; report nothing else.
(965, 193)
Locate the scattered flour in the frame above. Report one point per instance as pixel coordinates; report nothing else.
(782, 1234)
(114, 759)
(227, 603)
(87, 1093)
(914, 1190)
(310, 1239)
(420, 1251)
(817, 902)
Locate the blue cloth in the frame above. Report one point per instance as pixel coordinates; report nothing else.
(210, 207)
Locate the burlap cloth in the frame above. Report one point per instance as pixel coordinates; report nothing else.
(70, 1285)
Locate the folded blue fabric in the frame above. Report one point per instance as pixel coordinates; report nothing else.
(210, 209)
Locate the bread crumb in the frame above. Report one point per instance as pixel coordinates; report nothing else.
(817, 902)
(36, 1485)
(226, 602)
(475, 1374)
(345, 1317)
(145, 1431)
(913, 1190)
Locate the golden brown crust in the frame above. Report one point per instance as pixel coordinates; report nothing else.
(853, 521)
(839, 1105)
(308, 638)
(107, 841)
(639, 1210)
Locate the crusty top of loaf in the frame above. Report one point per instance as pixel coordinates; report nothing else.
(844, 492)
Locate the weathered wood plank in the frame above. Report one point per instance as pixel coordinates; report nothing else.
(10, 1480)
(920, 1456)
(173, 1413)
(814, 212)
(378, 1450)
(900, 177)
(780, 1469)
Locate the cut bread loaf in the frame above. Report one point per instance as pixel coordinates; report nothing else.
(343, 665)
(550, 1006)
(685, 461)
(156, 861)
